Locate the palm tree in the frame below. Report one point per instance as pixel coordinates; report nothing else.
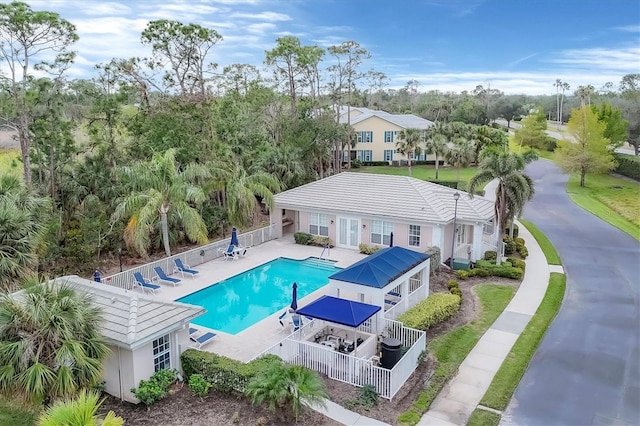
(514, 187)
(409, 143)
(79, 411)
(285, 385)
(564, 86)
(436, 143)
(21, 230)
(239, 187)
(161, 193)
(50, 343)
(460, 154)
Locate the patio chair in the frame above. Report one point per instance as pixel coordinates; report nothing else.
(296, 322)
(144, 284)
(230, 253)
(198, 339)
(282, 317)
(164, 277)
(184, 269)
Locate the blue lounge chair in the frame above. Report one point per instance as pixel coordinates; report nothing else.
(394, 293)
(390, 302)
(230, 253)
(144, 284)
(164, 277)
(184, 269)
(296, 322)
(282, 317)
(199, 340)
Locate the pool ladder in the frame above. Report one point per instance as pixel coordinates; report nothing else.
(324, 248)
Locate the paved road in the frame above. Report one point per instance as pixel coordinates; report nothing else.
(587, 368)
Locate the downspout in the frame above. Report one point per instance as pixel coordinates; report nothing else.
(120, 374)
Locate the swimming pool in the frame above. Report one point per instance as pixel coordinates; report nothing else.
(241, 301)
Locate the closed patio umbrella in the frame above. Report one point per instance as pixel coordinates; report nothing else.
(234, 237)
(391, 240)
(294, 298)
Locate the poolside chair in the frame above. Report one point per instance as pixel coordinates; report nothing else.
(164, 277)
(230, 253)
(296, 322)
(199, 340)
(282, 318)
(184, 269)
(144, 284)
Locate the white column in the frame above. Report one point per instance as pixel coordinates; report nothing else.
(476, 252)
(275, 218)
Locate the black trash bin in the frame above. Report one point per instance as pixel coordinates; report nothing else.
(391, 352)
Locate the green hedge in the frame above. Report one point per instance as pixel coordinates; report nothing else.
(628, 165)
(433, 310)
(505, 271)
(368, 249)
(303, 238)
(225, 374)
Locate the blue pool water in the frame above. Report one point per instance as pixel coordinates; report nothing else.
(242, 300)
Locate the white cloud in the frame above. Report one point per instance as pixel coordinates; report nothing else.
(262, 16)
(625, 60)
(260, 28)
(628, 28)
(107, 8)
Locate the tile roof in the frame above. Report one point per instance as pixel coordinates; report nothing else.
(131, 319)
(386, 196)
(403, 120)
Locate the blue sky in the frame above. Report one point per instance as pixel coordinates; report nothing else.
(511, 45)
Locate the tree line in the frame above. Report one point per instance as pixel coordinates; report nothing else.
(155, 152)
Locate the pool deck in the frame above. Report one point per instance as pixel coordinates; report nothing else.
(266, 333)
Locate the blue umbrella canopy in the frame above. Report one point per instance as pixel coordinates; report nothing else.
(294, 298)
(234, 237)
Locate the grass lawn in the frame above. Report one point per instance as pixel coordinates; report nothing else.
(424, 172)
(549, 250)
(483, 418)
(612, 199)
(508, 376)
(452, 348)
(9, 163)
(514, 147)
(14, 414)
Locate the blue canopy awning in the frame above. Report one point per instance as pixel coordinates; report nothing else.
(382, 267)
(340, 311)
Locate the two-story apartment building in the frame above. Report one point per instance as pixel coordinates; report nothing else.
(377, 132)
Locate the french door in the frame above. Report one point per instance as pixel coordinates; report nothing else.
(348, 232)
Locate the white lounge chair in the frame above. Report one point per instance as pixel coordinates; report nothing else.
(198, 340)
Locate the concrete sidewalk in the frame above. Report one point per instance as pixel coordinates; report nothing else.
(460, 397)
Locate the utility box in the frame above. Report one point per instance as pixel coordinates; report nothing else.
(461, 264)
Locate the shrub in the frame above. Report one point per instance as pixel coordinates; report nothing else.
(517, 263)
(451, 284)
(225, 374)
(457, 292)
(303, 238)
(368, 249)
(433, 310)
(321, 241)
(463, 275)
(520, 247)
(490, 255)
(628, 165)
(510, 245)
(198, 385)
(154, 389)
(485, 263)
(507, 272)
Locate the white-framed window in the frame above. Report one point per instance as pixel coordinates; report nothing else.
(390, 136)
(487, 227)
(381, 232)
(161, 353)
(414, 235)
(318, 224)
(388, 155)
(365, 136)
(365, 155)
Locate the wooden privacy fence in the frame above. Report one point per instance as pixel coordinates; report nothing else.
(192, 257)
(353, 370)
